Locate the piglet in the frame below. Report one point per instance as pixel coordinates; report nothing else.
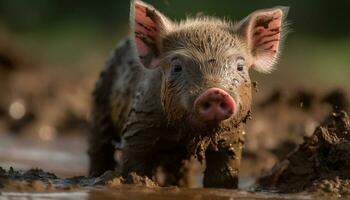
(175, 92)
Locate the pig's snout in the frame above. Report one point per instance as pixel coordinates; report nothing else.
(214, 105)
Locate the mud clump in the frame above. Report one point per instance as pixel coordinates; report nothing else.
(320, 164)
(37, 180)
(31, 180)
(281, 119)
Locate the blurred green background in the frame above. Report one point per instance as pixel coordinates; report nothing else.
(65, 35)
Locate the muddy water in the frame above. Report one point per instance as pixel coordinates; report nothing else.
(133, 192)
(66, 157)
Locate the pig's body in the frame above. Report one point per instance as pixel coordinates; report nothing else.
(174, 93)
(127, 106)
(114, 95)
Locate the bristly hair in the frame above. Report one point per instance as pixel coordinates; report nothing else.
(200, 35)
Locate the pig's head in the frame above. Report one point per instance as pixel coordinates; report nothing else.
(205, 62)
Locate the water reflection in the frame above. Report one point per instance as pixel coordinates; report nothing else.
(142, 193)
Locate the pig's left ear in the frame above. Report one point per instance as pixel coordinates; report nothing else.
(263, 30)
(148, 28)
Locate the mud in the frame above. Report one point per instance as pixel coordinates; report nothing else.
(320, 164)
(37, 180)
(280, 121)
(142, 193)
(37, 184)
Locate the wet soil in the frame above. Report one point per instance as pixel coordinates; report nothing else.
(320, 164)
(37, 184)
(146, 193)
(280, 121)
(37, 180)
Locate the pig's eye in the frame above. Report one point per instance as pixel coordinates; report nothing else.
(240, 64)
(176, 65)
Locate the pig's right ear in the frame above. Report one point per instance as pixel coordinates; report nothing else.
(148, 27)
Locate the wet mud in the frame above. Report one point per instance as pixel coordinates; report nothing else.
(320, 164)
(280, 121)
(37, 180)
(37, 184)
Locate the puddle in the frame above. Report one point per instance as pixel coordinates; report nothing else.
(142, 193)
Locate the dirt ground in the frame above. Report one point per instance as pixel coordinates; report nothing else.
(285, 146)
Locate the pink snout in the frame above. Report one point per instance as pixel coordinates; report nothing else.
(215, 105)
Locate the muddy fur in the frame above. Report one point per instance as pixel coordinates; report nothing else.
(145, 109)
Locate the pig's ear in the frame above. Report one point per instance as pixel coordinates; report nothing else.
(148, 27)
(263, 31)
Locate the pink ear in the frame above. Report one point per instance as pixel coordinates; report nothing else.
(149, 26)
(267, 31)
(262, 31)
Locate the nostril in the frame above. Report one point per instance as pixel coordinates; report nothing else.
(224, 106)
(206, 106)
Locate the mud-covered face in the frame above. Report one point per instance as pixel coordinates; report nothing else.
(205, 61)
(203, 91)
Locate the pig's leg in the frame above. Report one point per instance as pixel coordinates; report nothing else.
(145, 125)
(103, 132)
(222, 164)
(139, 150)
(101, 148)
(110, 108)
